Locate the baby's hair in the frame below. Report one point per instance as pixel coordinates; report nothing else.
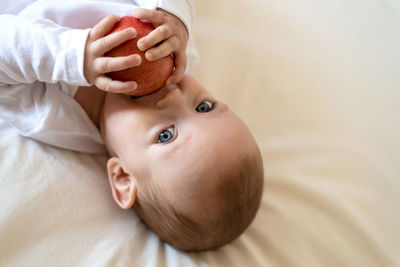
(239, 196)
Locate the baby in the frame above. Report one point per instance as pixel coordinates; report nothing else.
(184, 161)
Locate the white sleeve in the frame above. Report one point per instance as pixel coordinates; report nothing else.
(46, 113)
(39, 49)
(183, 9)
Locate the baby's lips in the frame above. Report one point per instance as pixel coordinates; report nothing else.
(141, 91)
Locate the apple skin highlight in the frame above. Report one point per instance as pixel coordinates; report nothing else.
(149, 76)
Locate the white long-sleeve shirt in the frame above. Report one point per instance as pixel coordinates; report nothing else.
(41, 65)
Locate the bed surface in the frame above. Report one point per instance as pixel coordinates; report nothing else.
(317, 82)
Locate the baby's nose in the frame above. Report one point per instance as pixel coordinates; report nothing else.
(172, 98)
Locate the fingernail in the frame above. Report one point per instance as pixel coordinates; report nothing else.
(140, 45)
(132, 31)
(149, 56)
(133, 85)
(138, 58)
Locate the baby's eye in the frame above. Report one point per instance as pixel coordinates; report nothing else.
(204, 106)
(166, 135)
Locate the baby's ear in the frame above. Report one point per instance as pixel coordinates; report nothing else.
(122, 184)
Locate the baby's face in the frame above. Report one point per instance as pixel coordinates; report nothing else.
(178, 136)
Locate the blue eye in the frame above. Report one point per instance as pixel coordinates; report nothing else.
(204, 106)
(166, 135)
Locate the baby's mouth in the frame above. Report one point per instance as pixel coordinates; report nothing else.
(152, 99)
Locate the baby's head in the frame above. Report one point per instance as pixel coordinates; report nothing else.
(186, 163)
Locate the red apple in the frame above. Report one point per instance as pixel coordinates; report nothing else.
(149, 76)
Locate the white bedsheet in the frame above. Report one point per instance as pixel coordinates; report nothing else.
(318, 82)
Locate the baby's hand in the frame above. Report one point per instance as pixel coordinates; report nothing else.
(96, 65)
(171, 32)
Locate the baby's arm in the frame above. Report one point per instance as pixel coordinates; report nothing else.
(40, 50)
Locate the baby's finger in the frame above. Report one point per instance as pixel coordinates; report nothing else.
(180, 61)
(108, 42)
(106, 84)
(166, 48)
(157, 35)
(153, 16)
(103, 27)
(109, 64)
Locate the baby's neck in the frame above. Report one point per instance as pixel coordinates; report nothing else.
(91, 100)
